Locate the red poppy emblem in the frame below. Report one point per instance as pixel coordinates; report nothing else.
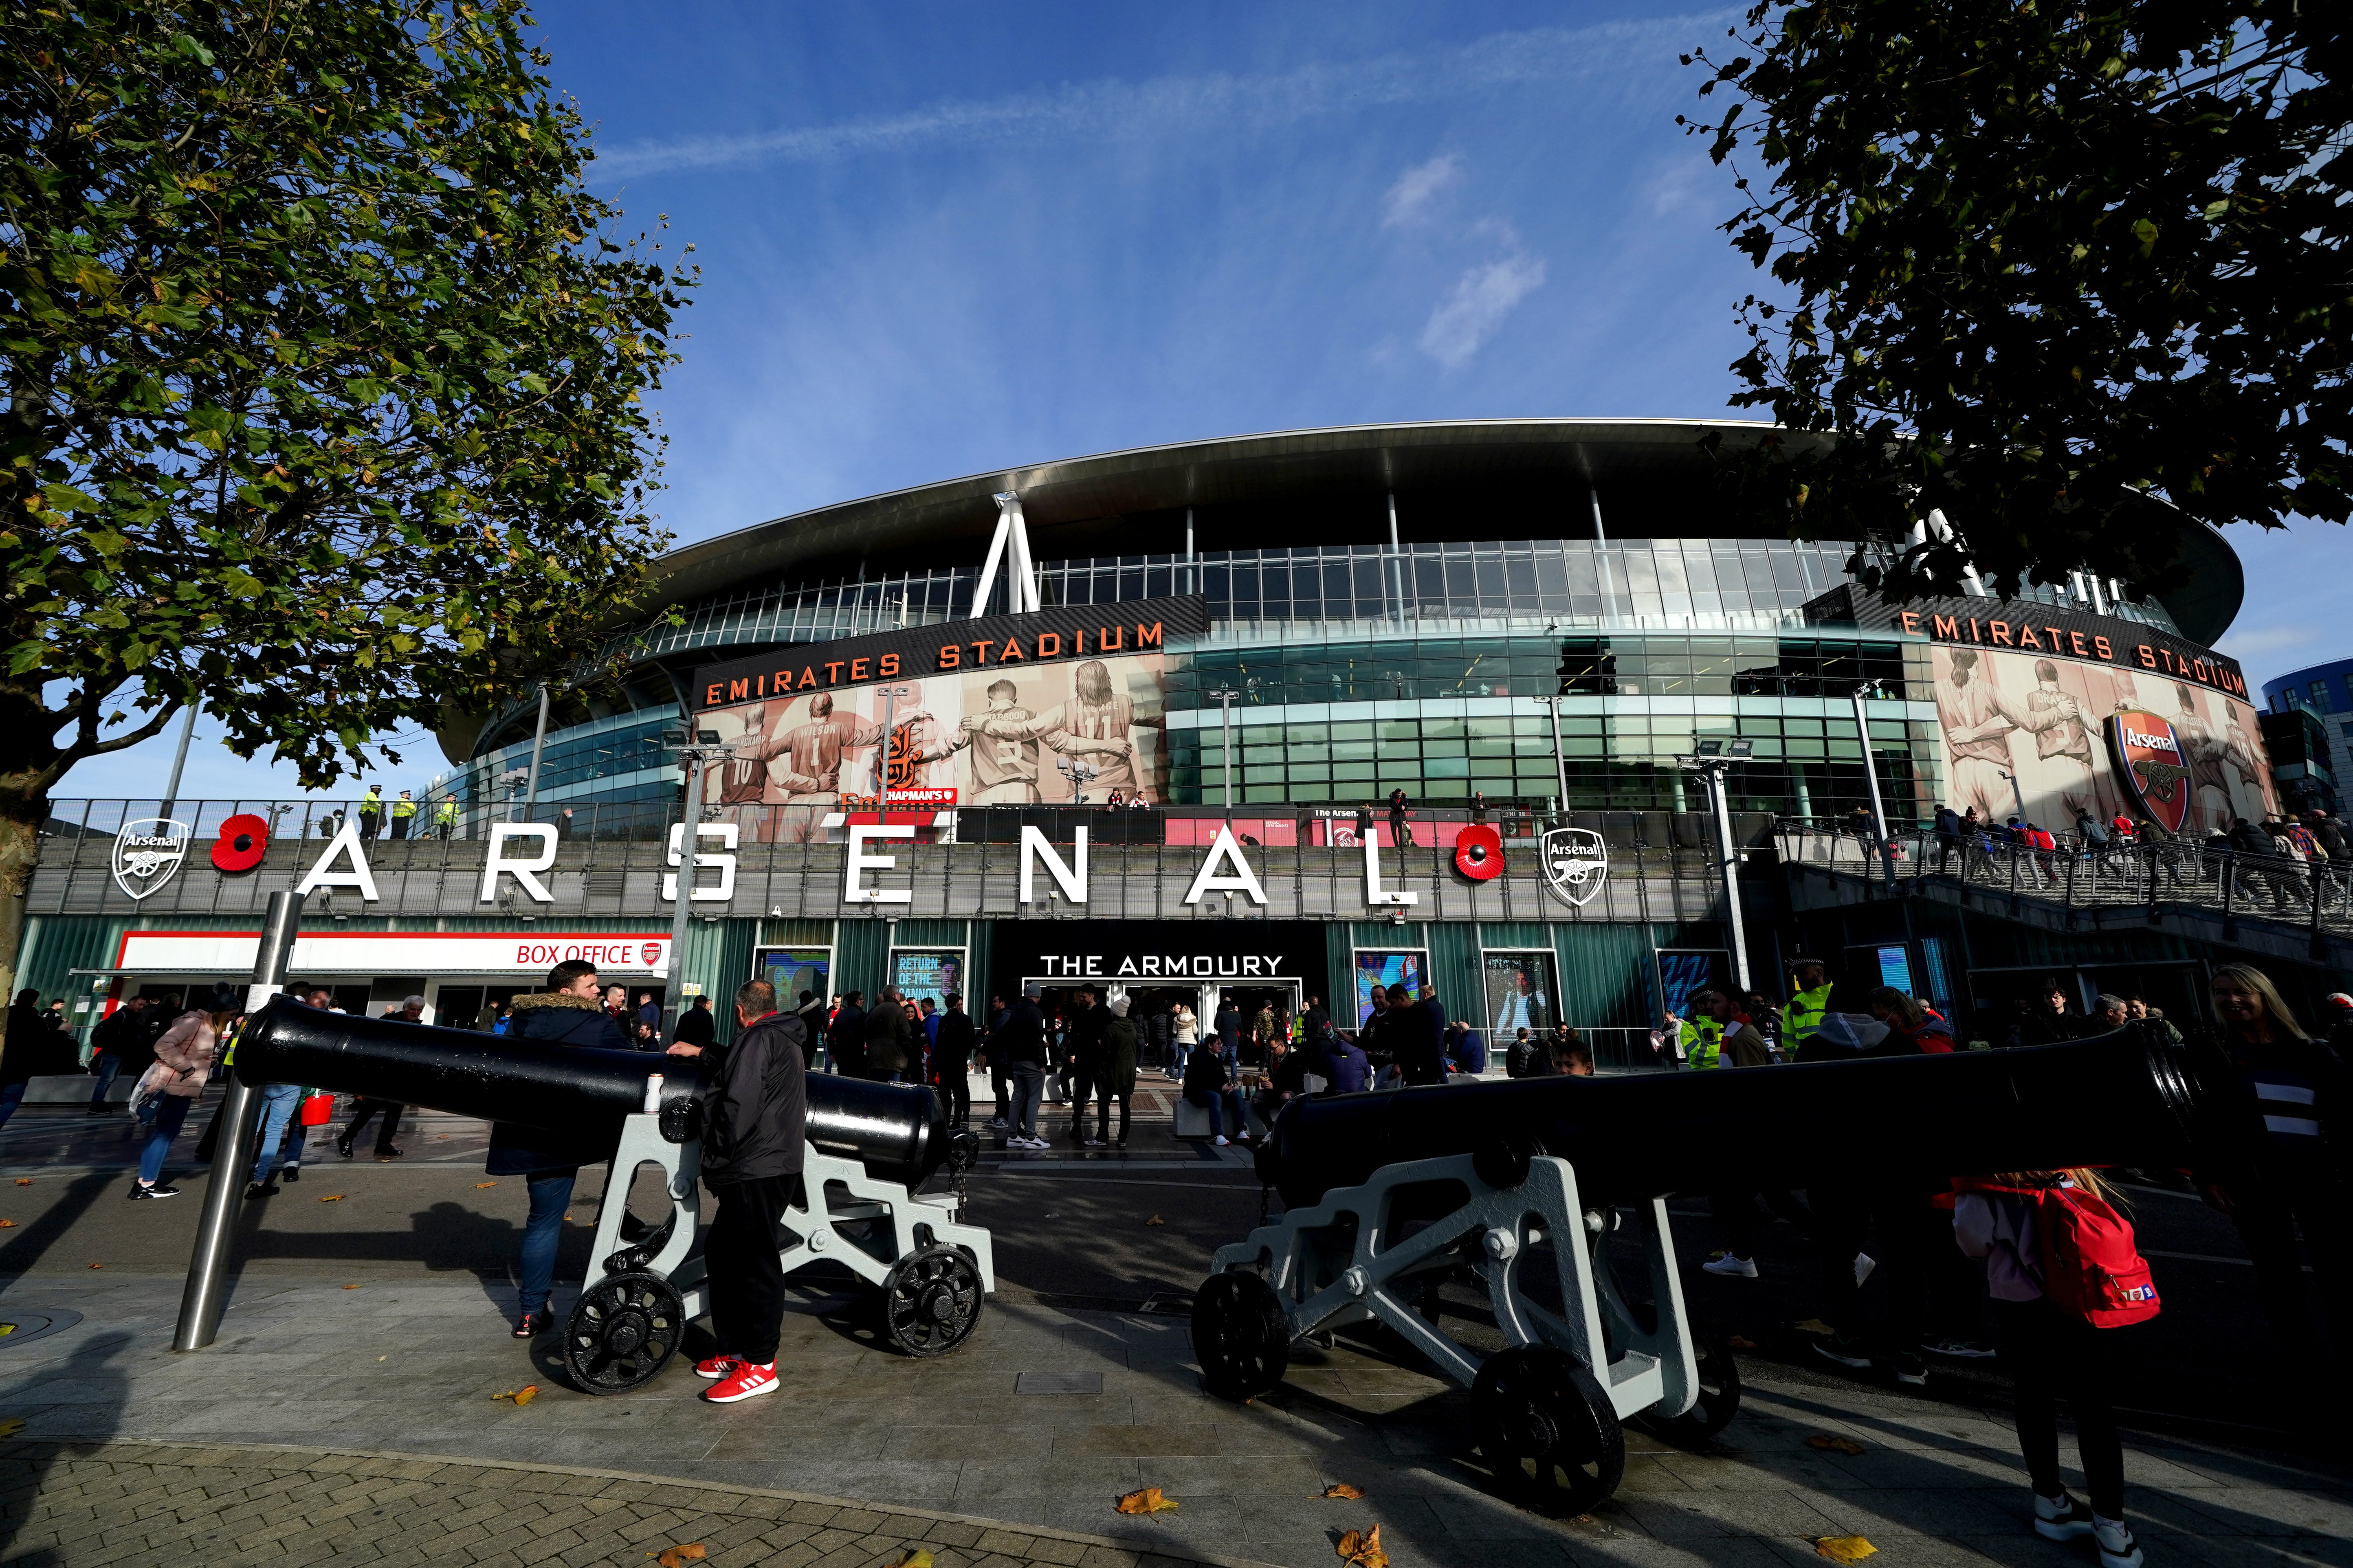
(244, 838)
(1479, 853)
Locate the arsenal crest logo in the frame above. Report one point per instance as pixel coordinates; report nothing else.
(651, 953)
(147, 852)
(1576, 864)
(2152, 764)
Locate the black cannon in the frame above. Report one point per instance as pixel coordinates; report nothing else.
(871, 1145)
(1518, 1186)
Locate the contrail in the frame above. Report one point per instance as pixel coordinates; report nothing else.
(1125, 109)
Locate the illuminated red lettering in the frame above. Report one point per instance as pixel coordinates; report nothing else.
(809, 677)
(950, 655)
(1110, 639)
(2148, 657)
(2075, 639)
(2001, 630)
(832, 677)
(857, 670)
(711, 697)
(2106, 650)
(981, 657)
(1047, 646)
(2058, 644)
(1945, 626)
(887, 665)
(1912, 622)
(1012, 649)
(738, 690)
(2026, 638)
(1147, 636)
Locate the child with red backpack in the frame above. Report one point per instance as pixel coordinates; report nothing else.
(2063, 1272)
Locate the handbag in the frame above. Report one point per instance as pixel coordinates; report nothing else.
(316, 1111)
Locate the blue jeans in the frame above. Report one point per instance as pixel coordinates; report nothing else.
(1179, 1053)
(278, 1103)
(110, 1067)
(551, 1191)
(171, 1110)
(12, 1095)
(1230, 1101)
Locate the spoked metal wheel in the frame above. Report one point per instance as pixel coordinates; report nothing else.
(1241, 1336)
(623, 1332)
(1548, 1431)
(930, 1301)
(1719, 1391)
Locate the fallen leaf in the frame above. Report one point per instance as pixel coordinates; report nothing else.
(383, 1358)
(24, 1181)
(529, 1391)
(567, 1218)
(918, 1558)
(1739, 1342)
(1148, 1500)
(1830, 1444)
(8, 1225)
(1156, 1220)
(1342, 1489)
(1815, 1326)
(332, 1198)
(480, 1185)
(11, 1426)
(671, 1556)
(1843, 1548)
(98, 1266)
(351, 1287)
(1362, 1548)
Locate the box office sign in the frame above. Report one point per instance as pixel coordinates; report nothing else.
(995, 642)
(527, 953)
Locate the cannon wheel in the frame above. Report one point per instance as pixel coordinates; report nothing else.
(1547, 1430)
(1241, 1336)
(1718, 1376)
(930, 1301)
(622, 1332)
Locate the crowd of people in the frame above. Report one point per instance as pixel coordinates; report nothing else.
(2285, 858)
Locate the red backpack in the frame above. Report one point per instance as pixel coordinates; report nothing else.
(2092, 1268)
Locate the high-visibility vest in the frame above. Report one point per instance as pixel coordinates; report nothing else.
(404, 808)
(1703, 1042)
(371, 803)
(1803, 1016)
(445, 813)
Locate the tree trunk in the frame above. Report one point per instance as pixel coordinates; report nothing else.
(20, 849)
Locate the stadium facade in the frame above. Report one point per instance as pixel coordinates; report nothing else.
(1265, 637)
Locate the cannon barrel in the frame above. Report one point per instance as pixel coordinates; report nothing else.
(2118, 1098)
(900, 1134)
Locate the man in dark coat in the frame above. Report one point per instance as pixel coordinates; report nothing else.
(754, 1116)
(1089, 1019)
(119, 1042)
(1420, 1047)
(951, 1056)
(570, 1012)
(888, 1047)
(696, 1026)
(847, 1039)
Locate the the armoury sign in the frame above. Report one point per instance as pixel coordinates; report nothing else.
(1005, 643)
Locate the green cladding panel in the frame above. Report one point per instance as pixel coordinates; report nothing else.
(1609, 974)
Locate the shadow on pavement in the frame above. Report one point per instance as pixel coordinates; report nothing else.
(31, 1243)
(99, 1393)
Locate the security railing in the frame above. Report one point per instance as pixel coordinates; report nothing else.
(2224, 881)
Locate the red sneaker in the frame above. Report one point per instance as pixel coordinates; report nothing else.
(718, 1366)
(746, 1380)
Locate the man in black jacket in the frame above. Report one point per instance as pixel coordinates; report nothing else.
(570, 1012)
(117, 1043)
(1090, 1018)
(1018, 1043)
(754, 1130)
(888, 1047)
(848, 1037)
(696, 1026)
(951, 1056)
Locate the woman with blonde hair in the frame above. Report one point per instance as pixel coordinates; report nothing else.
(184, 1064)
(2270, 1162)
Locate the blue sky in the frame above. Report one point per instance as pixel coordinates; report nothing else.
(941, 238)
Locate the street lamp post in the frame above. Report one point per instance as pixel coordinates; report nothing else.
(1226, 697)
(538, 745)
(1714, 759)
(697, 748)
(1871, 776)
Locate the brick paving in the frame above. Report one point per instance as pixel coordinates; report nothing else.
(121, 1504)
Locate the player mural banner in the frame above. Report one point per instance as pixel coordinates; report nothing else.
(2077, 735)
(1071, 732)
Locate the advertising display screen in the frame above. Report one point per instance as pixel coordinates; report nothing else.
(2044, 723)
(1521, 992)
(1682, 974)
(791, 970)
(1384, 968)
(933, 972)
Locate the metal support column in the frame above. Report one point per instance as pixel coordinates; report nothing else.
(1560, 758)
(180, 760)
(674, 996)
(538, 745)
(1870, 777)
(205, 1295)
(1730, 855)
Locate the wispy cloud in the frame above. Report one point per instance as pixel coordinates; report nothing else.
(1115, 108)
(1409, 198)
(1472, 310)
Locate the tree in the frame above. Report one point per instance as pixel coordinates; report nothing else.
(2042, 266)
(324, 381)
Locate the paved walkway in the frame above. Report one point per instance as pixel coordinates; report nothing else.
(104, 1504)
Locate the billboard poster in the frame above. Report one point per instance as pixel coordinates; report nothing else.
(1062, 734)
(1385, 968)
(1682, 974)
(1520, 988)
(792, 970)
(2045, 723)
(933, 972)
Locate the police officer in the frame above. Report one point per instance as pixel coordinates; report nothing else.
(1810, 999)
(445, 816)
(371, 811)
(1702, 1037)
(403, 812)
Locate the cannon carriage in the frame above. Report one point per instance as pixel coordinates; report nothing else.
(872, 1148)
(1517, 1188)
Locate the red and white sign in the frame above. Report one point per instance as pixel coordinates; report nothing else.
(438, 954)
(2152, 764)
(905, 800)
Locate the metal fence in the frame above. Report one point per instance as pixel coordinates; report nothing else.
(2224, 882)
